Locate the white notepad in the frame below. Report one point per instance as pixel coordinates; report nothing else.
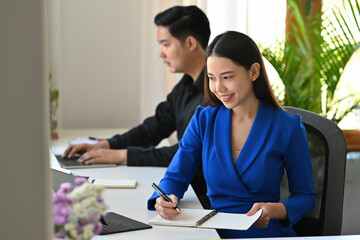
(190, 217)
(116, 183)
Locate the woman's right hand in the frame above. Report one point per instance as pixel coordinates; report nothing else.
(166, 209)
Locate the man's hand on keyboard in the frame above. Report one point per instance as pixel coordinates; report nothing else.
(84, 147)
(104, 156)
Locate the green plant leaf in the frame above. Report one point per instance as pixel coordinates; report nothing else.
(310, 63)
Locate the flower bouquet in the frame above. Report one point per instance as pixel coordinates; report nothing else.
(77, 210)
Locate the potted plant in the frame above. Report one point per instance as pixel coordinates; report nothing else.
(77, 210)
(54, 103)
(312, 58)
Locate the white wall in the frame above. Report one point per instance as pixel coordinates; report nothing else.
(230, 16)
(95, 61)
(104, 57)
(25, 208)
(104, 61)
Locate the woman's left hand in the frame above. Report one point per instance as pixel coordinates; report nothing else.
(270, 210)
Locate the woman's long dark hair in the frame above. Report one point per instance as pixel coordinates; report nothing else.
(243, 51)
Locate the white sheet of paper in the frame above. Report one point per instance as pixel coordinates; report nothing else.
(83, 140)
(231, 221)
(189, 217)
(116, 183)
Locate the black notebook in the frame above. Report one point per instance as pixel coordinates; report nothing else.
(115, 223)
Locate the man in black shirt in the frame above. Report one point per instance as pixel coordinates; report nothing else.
(183, 34)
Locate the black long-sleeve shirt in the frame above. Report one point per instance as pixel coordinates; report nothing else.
(171, 115)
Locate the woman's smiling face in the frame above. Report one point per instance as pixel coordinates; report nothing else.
(230, 82)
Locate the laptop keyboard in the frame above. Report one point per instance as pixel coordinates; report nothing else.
(116, 226)
(69, 161)
(116, 223)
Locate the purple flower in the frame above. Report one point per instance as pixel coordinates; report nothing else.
(94, 216)
(61, 235)
(65, 209)
(59, 219)
(65, 187)
(79, 229)
(60, 213)
(97, 228)
(80, 180)
(83, 222)
(101, 200)
(61, 197)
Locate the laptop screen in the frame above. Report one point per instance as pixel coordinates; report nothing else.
(60, 177)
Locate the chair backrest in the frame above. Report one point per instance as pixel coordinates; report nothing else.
(328, 155)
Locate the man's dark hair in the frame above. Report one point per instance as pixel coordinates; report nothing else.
(184, 21)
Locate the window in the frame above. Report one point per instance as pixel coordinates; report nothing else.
(264, 21)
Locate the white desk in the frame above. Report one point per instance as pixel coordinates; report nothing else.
(132, 203)
(343, 237)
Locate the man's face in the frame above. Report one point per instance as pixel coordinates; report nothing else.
(173, 53)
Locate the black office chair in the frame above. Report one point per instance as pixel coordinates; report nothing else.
(328, 155)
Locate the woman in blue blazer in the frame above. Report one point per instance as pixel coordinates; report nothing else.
(245, 141)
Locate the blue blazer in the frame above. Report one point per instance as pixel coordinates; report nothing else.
(277, 141)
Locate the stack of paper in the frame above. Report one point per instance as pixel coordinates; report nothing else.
(116, 183)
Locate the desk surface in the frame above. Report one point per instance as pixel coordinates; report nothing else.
(132, 202)
(343, 237)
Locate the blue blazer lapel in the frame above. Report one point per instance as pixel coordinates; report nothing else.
(222, 132)
(256, 139)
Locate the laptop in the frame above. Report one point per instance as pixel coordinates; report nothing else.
(111, 222)
(72, 163)
(116, 223)
(60, 177)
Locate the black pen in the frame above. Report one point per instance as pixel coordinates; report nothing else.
(162, 194)
(206, 217)
(95, 138)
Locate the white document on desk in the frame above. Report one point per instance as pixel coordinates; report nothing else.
(115, 183)
(189, 217)
(80, 140)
